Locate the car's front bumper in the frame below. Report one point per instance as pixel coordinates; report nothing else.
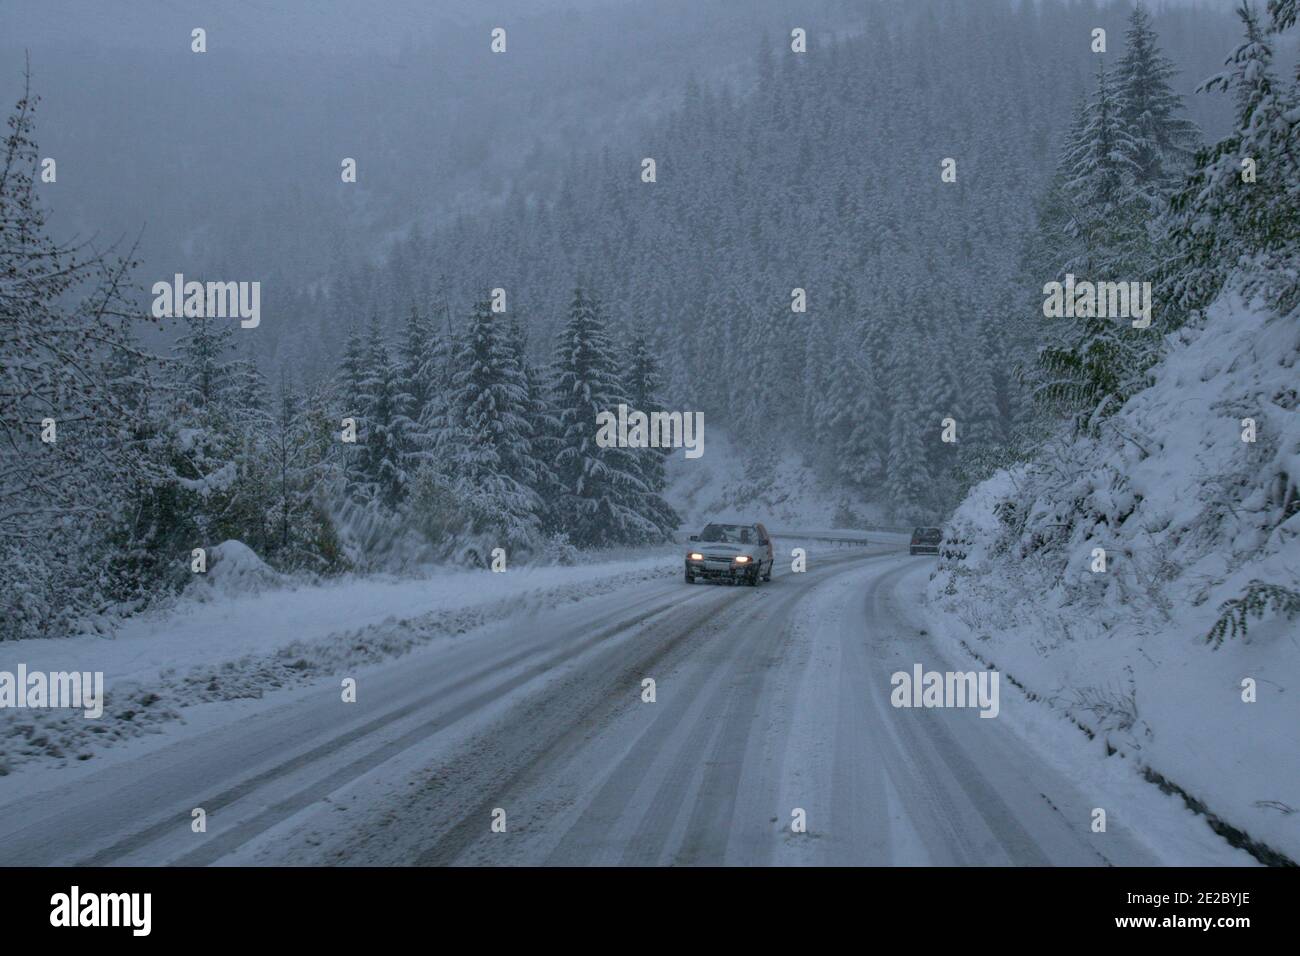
(718, 569)
(924, 548)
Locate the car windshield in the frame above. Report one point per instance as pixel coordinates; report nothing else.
(728, 534)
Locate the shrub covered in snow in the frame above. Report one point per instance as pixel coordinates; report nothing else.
(234, 568)
(559, 550)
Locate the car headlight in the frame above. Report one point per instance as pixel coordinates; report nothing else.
(742, 559)
(695, 556)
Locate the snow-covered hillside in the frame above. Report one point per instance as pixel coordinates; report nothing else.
(1188, 514)
(727, 483)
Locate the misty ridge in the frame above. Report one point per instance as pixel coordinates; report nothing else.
(229, 161)
(385, 412)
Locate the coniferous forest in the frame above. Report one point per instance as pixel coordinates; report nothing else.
(819, 173)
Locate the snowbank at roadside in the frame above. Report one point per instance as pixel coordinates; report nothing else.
(1188, 515)
(224, 643)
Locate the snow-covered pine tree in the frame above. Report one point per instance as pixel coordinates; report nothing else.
(139, 564)
(419, 386)
(222, 418)
(841, 414)
(942, 392)
(870, 436)
(287, 465)
(302, 535)
(907, 479)
(249, 415)
(1226, 223)
(204, 443)
(1092, 363)
(980, 418)
(188, 497)
(536, 468)
(1108, 216)
(349, 401)
(488, 448)
(352, 370)
(382, 438)
(819, 350)
(201, 360)
(1055, 240)
(1163, 139)
(246, 388)
(602, 493)
(644, 384)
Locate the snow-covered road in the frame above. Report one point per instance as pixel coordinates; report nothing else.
(768, 701)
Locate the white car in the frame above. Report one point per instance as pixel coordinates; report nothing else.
(739, 553)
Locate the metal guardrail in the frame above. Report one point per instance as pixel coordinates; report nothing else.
(861, 538)
(839, 537)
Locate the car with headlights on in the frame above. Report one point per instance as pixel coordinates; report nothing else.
(737, 553)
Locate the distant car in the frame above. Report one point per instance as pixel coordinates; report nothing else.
(739, 553)
(926, 541)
